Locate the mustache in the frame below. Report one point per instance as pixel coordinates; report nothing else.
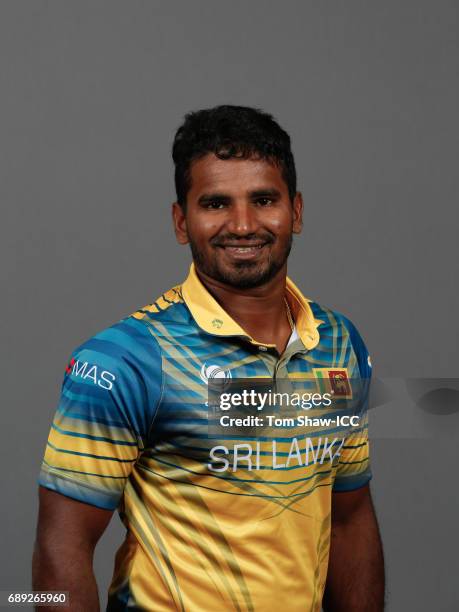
(226, 239)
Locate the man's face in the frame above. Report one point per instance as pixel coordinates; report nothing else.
(239, 220)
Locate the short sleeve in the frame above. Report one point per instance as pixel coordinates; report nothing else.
(354, 470)
(109, 396)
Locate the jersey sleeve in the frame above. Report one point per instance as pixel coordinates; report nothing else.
(354, 470)
(109, 396)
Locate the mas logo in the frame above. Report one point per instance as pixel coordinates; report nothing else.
(95, 374)
(335, 381)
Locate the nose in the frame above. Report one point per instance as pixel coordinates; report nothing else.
(242, 219)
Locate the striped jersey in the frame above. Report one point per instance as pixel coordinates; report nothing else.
(226, 521)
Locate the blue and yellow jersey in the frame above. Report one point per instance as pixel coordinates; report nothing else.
(206, 530)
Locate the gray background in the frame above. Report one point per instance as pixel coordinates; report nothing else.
(91, 94)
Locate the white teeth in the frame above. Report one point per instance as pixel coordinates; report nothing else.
(245, 249)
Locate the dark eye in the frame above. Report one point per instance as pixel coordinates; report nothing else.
(215, 205)
(264, 201)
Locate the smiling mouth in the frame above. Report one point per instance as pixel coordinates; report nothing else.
(245, 248)
(243, 252)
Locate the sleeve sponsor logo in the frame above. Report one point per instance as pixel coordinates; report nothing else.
(93, 373)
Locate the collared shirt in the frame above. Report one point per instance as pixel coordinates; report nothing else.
(216, 518)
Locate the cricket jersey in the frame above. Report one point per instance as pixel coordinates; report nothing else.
(216, 519)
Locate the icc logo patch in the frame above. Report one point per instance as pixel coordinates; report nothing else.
(214, 372)
(334, 381)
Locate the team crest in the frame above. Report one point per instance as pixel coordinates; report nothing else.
(334, 381)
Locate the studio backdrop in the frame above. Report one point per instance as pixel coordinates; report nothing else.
(91, 96)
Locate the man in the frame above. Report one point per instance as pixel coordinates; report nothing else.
(234, 523)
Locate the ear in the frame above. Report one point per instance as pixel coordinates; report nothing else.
(297, 213)
(179, 221)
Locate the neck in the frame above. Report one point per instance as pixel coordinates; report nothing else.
(260, 311)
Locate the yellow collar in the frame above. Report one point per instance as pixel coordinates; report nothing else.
(211, 317)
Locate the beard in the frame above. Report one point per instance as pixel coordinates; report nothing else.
(242, 274)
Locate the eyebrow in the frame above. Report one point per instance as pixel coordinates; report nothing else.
(263, 193)
(224, 197)
(211, 197)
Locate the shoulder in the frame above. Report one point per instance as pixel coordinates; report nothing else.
(132, 338)
(129, 348)
(122, 344)
(125, 353)
(116, 371)
(168, 308)
(338, 326)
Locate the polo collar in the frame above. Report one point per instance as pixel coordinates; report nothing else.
(212, 319)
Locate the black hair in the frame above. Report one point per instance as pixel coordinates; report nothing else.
(230, 131)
